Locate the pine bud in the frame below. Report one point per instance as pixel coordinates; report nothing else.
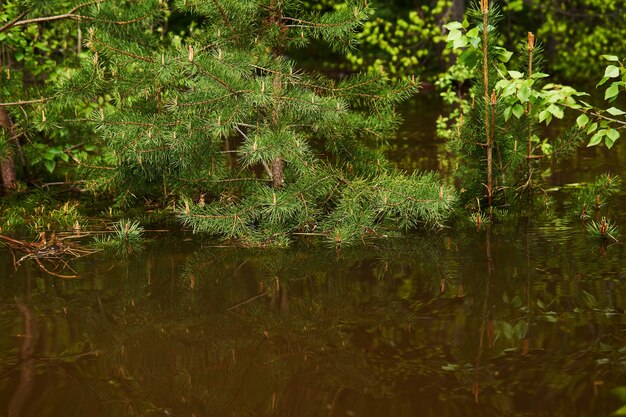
(531, 41)
(190, 53)
(219, 54)
(484, 5)
(356, 12)
(262, 87)
(43, 116)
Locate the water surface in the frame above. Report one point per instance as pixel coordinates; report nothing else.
(524, 318)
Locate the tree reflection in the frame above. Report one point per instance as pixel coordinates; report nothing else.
(424, 326)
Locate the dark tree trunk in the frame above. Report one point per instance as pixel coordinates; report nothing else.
(7, 163)
(458, 10)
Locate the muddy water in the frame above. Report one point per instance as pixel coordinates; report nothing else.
(523, 319)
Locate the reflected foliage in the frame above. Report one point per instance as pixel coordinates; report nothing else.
(505, 322)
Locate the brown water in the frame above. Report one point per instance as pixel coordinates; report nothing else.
(525, 319)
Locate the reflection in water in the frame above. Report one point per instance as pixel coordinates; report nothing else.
(27, 364)
(489, 323)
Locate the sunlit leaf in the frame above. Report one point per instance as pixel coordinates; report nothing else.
(453, 26)
(611, 71)
(556, 111)
(524, 93)
(612, 58)
(612, 91)
(597, 138)
(460, 43)
(615, 111)
(454, 35)
(613, 134)
(582, 120)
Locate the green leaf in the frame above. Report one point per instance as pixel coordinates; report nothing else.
(538, 75)
(556, 111)
(524, 93)
(507, 113)
(612, 91)
(582, 120)
(515, 74)
(611, 71)
(453, 26)
(473, 33)
(454, 35)
(613, 134)
(50, 165)
(612, 58)
(460, 43)
(615, 111)
(592, 128)
(597, 138)
(518, 110)
(602, 81)
(505, 55)
(608, 142)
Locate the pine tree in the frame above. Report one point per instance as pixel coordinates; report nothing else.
(497, 143)
(251, 146)
(40, 40)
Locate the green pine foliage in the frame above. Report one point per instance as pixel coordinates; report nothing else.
(497, 138)
(41, 44)
(250, 146)
(484, 124)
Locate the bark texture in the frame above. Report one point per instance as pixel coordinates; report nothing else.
(7, 162)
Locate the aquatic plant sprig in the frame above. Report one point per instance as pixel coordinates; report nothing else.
(604, 230)
(126, 236)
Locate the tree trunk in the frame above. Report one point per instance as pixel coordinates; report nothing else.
(458, 10)
(7, 163)
(278, 177)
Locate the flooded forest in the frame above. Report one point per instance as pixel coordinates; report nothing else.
(312, 208)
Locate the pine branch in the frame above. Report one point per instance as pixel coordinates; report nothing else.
(23, 102)
(73, 16)
(122, 52)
